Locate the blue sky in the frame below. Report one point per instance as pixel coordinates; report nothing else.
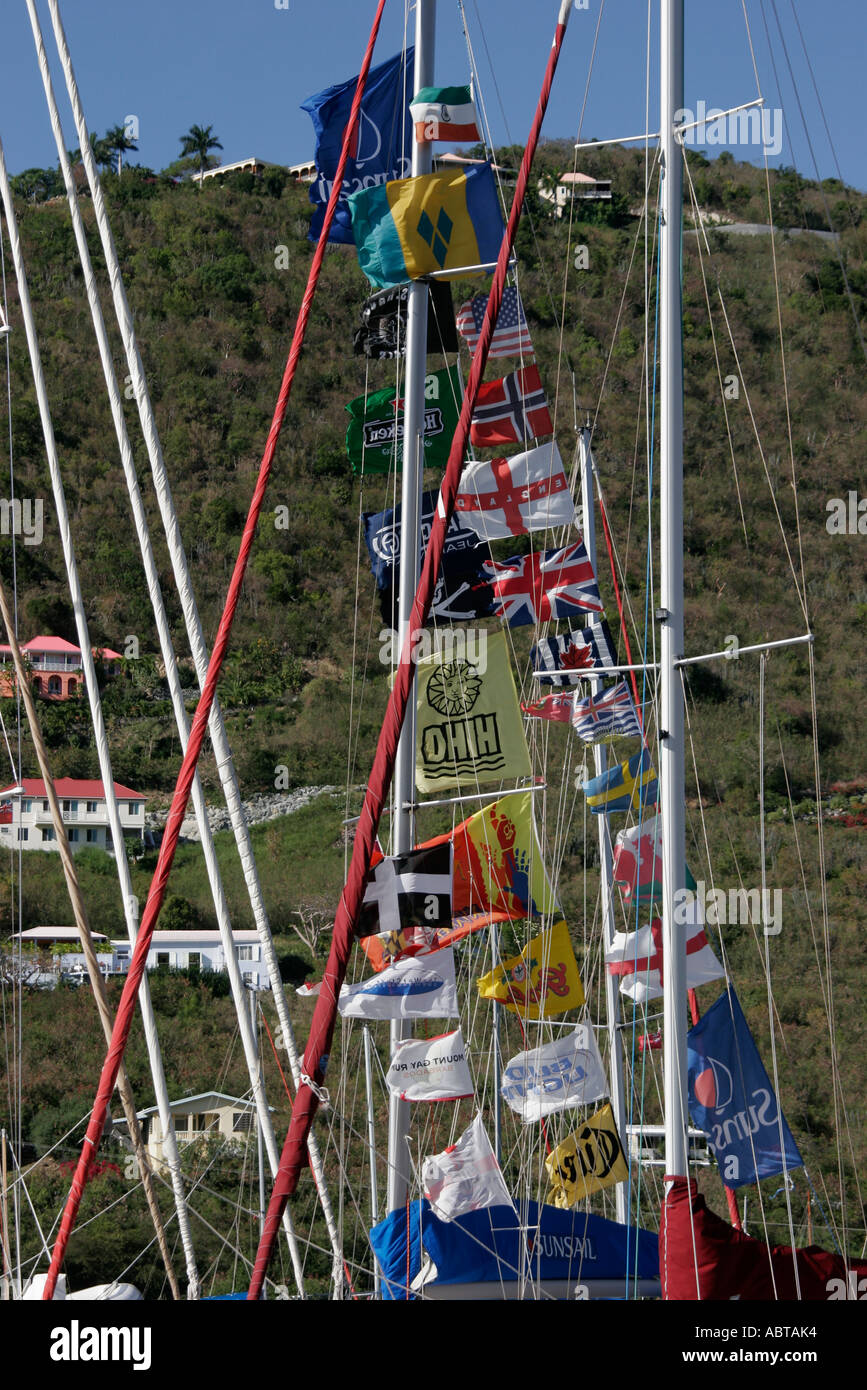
(243, 66)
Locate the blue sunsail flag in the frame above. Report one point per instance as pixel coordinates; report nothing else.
(383, 142)
(732, 1100)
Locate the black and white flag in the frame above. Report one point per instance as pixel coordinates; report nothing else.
(412, 890)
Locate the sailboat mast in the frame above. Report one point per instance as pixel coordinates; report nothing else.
(671, 736)
(411, 489)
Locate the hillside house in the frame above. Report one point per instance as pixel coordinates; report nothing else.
(177, 950)
(55, 665)
(574, 188)
(25, 816)
(211, 1115)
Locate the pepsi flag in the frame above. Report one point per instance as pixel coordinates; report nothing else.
(610, 714)
(732, 1100)
(573, 654)
(511, 410)
(511, 336)
(382, 145)
(548, 584)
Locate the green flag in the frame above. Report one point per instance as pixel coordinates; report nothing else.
(375, 434)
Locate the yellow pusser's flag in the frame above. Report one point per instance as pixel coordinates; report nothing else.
(469, 727)
(542, 981)
(590, 1159)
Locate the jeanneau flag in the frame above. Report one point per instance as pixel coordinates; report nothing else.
(465, 1177)
(444, 113)
(542, 981)
(435, 222)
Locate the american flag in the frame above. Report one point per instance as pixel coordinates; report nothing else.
(549, 584)
(606, 715)
(570, 656)
(511, 335)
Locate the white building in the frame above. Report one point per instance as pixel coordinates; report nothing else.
(178, 950)
(574, 188)
(25, 816)
(211, 1115)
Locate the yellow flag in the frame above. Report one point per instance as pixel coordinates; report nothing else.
(542, 981)
(469, 726)
(590, 1159)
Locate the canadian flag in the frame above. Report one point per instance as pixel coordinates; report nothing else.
(636, 958)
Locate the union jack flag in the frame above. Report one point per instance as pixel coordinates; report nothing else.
(548, 584)
(607, 715)
(511, 336)
(569, 657)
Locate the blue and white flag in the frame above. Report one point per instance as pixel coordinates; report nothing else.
(610, 714)
(420, 987)
(382, 537)
(569, 657)
(383, 142)
(732, 1100)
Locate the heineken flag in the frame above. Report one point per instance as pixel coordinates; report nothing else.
(374, 439)
(468, 727)
(563, 1073)
(444, 113)
(408, 891)
(435, 222)
(623, 788)
(382, 142)
(590, 1159)
(421, 987)
(497, 867)
(383, 323)
(430, 1069)
(542, 981)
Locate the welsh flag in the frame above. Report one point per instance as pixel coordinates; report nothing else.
(637, 862)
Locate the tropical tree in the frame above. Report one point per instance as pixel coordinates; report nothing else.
(199, 141)
(117, 142)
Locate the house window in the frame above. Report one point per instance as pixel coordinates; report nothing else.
(23, 834)
(194, 960)
(92, 837)
(246, 953)
(242, 1121)
(27, 805)
(134, 807)
(54, 686)
(48, 832)
(70, 808)
(91, 808)
(163, 958)
(72, 836)
(208, 1120)
(182, 1123)
(45, 806)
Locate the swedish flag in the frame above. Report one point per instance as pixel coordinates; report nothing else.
(410, 227)
(623, 788)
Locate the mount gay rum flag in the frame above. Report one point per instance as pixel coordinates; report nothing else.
(465, 1177)
(430, 1069)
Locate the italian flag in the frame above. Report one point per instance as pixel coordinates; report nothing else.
(444, 113)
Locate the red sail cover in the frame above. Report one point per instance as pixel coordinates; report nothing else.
(702, 1258)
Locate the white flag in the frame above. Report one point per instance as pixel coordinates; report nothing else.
(430, 1069)
(636, 957)
(420, 987)
(563, 1073)
(509, 497)
(465, 1177)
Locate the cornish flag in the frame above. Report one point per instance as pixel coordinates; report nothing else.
(511, 410)
(409, 891)
(611, 714)
(548, 584)
(635, 958)
(563, 660)
(511, 336)
(509, 497)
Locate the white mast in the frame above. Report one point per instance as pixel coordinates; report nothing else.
(413, 468)
(671, 737)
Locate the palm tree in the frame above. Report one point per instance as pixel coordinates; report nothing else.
(200, 140)
(117, 142)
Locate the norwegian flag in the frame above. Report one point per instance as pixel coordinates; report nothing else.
(510, 337)
(556, 707)
(611, 714)
(571, 656)
(548, 584)
(511, 410)
(509, 497)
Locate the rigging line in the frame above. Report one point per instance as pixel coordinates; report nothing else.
(818, 96)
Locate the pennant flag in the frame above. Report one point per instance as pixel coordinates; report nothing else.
(383, 322)
(510, 497)
(636, 958)
(382, 140)
(374, 439)
(556, 707)
(463, 550)
(469, 727)
(510, 410)
(564, 1073)
(410, 227)
(308, 990)
(548, 584)
(465, 1177)
(610, 714)
(430, 1069)
(409, 891)
(542, 981)
(732, 1100)
(590, 1159)
(650, 1042)
(422, 988)
(637, 862)
(511, 336)
(573, 655)
(444, 113)
(497, 868)
(417, 941)
(623, 788)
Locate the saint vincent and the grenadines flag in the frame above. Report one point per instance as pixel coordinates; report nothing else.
(542, 981)
(374, 439)
(435, 222)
